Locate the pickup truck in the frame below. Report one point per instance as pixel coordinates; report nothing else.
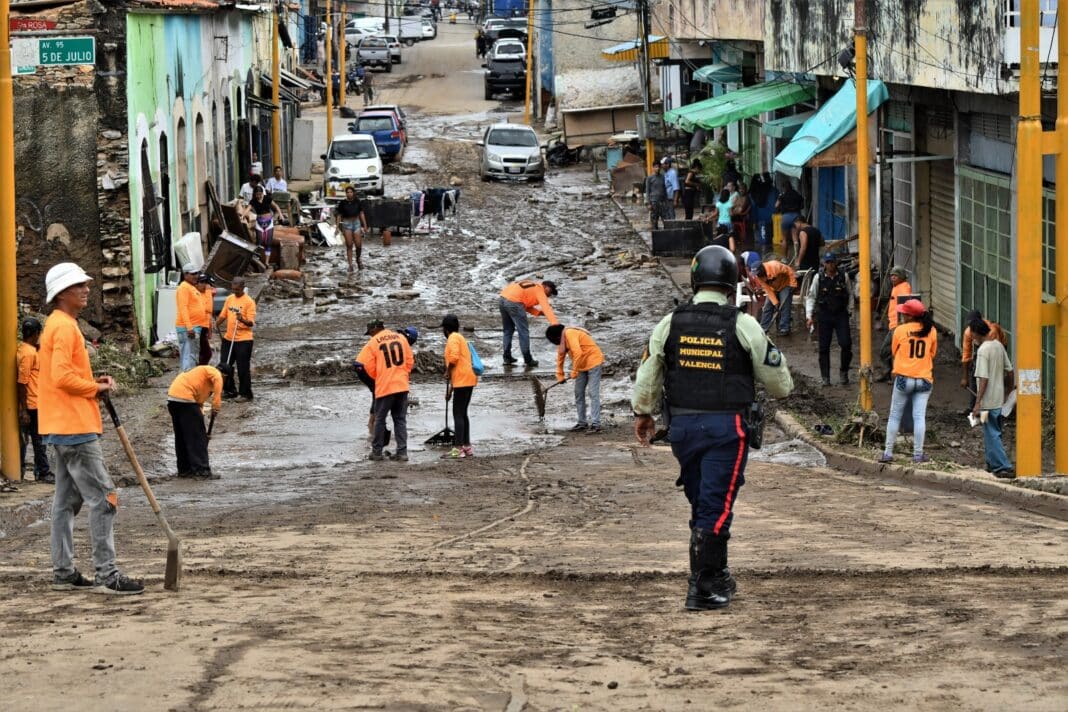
(374, 52)
(508, 74)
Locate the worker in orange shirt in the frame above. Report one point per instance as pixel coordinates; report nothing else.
(969, 346)
(517, 300)
(779, 282)
(185, 401)
(204, 318)
(236, 320)
(586, 363)
(899, 287)
(27, 379)
(461, 377)
(69, 420)
(387, 358)
(914, 345)
(189, 304)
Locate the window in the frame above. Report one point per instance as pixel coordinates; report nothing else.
(367, 125)
(512, 137)
(352, 150)
(986, 268)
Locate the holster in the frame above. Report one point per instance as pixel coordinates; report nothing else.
(754, 420)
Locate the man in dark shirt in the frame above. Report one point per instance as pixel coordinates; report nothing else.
(656, 195)
(810, 239)
(789, 204)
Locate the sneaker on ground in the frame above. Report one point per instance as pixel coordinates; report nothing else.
(399, 457)
(594, 429)
(532, 364)
(1005, 475)
(511, 359)
(205, 475)
(120, 585)
(453, 454)
(48, 479)
(376, 456)
(920, 458)
(243, 399)
(579, 427)
(467, 451)
(886, 458)
(74, 582)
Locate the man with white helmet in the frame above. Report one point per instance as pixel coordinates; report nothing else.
(69, 419)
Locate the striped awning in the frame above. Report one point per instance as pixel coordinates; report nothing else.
(659, 48)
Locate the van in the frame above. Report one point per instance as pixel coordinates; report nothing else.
(352, 160)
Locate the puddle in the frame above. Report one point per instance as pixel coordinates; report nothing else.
(794, 453)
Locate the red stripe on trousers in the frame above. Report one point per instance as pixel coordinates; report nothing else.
(734, 476)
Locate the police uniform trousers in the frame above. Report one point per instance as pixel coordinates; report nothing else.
(712, 450)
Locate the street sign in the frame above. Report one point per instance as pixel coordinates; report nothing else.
(30, 24)
(67, 50)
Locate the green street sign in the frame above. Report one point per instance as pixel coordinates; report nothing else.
(67, 50)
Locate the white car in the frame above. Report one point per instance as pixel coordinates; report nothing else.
(508, 49)
(352, 160)
(429, 30)
(394, 47)
(511, 151)
(353, 35)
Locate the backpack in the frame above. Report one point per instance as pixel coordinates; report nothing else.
(476, 363)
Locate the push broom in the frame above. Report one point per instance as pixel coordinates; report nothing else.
(172, 577)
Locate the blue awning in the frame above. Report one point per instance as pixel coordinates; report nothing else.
(830, 124)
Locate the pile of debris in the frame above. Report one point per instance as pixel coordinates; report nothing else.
(628, 259)
(130, 367)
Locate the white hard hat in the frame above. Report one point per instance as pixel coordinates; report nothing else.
(63, 275)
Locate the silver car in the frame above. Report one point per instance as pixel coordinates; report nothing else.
(511, 151)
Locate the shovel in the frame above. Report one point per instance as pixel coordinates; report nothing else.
(442, 437)
(173, 576)
(539, 393)
(211, 423)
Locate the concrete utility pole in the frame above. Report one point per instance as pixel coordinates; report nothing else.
(1031, 313)
(530, 59)
(385, 5)
(860, 45)
(329, 76)
(276, 115)
(9, 417)
(647, 100)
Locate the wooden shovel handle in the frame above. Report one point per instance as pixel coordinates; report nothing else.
(130, 455)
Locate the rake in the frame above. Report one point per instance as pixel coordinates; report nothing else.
(539, 393)
(446, 436)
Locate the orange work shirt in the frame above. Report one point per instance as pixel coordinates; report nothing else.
(196, 385)
(780, 276)
(66, 390)
(901, 290)
(189, 306)
(29, 368)
(458, 355)
(914, 355)
(235, 330)
(533, 298)
(969, 347)
(584, 351)
(202, 317)
(388, 359)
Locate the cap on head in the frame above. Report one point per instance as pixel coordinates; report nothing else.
(450, 322)
(62, 276)
(411, 334)
(913, 308)
(373, 326)
(550, 288)
(900, 273)
(830, 257)
(667, 160)
(205, 278)
(30, 327)
(554, 333)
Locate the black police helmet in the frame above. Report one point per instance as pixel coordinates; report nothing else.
(714, 266)
(30, 326)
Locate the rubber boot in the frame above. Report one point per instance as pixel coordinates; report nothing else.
(711, 584)
(826, 381)
(845, 378)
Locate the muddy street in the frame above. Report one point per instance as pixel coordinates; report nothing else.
(548, 572)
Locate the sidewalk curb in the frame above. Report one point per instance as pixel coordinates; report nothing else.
(969, 481)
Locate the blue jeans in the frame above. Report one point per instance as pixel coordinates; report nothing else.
(786, 306)
(188, 349)
(712, 449)
(996, 458)
(588, 379)
(514, 320)
(81, 477)
(918, 391)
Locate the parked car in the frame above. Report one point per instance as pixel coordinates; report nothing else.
(508, 74)
(430, 31)
(352, 160)
(374, 52)
(385, 127)
(402, 118)
(507, 48)
(394, 48)
(497, 28)
(353, 35)
(511, 151)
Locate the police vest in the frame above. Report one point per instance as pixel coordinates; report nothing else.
(707, 368)
(832, 299)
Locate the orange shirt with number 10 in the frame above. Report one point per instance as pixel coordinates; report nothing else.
(914, 354)
(388, 359)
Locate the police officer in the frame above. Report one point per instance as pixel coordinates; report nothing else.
(703, 361)
(828, 300)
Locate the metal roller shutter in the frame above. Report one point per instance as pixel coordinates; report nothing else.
(943, 245)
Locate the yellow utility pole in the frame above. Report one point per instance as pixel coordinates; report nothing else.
(9, 417)
(342, 45)
(329, 77)
(1061, 277)
(860, 45)
(530, 59)
(276, 115)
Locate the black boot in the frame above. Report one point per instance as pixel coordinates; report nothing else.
(711, 583)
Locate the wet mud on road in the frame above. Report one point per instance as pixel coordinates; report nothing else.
(549, 571)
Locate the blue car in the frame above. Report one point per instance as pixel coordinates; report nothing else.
(383, 126)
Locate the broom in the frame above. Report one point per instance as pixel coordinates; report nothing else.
(172, 577)
(539, 393)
